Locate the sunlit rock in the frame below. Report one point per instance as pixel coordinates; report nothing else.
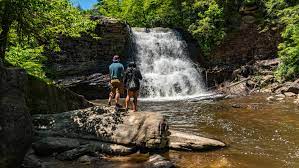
(144, 130)
(189, 142)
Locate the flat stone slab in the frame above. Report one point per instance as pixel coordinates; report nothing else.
(188, 142)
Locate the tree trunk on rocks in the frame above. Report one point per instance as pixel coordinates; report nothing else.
(189, 142)
(144, 130)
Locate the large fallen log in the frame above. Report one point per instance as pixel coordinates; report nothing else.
(143, 129)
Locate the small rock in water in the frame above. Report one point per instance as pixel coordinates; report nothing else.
(157, 161)
(290, 94)
(236, 106)
(271, 98)
(188, 142)
(87, 159)
(280, 96)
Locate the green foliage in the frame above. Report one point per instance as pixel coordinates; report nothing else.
(204, 19)
(37, 25)
(289, 48)
(209, 27)
(30, 59)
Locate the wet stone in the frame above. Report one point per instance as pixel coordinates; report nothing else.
(290, 94)
(157, 161)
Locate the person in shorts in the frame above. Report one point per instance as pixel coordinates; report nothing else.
(116, 71)
(132, 83)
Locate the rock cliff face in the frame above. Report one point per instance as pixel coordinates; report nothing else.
(84, 58)
(15, 120)
(243, 46)
(86, 55)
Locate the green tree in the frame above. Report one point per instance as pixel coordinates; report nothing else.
(29, 25)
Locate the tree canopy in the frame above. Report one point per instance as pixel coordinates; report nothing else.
(30, 26)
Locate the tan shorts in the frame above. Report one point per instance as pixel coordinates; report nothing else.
(116, 86)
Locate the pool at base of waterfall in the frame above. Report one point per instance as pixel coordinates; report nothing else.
(260, 133)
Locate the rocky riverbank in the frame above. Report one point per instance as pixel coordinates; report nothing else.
(94, 132)
(259, 77)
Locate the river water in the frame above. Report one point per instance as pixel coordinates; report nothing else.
(259, 133)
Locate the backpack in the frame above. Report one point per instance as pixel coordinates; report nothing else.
(132, 81)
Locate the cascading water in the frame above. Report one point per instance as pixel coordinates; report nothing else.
(163, 59)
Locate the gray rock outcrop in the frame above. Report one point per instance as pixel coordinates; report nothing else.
(95, 86)
(143, 130)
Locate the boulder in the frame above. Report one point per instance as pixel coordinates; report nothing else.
(294, 87)
(290, 94)
(31, 160)
(157, 161)
(189, 142)
(289, 87)
(144, 130)
(267, 80)
(15, 120)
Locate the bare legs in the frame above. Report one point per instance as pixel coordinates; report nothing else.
(110, 98)
(117, 97)
(133, 94)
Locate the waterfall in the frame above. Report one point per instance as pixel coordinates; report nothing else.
(162, 57)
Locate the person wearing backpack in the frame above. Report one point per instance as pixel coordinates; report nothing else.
(132, 79)
(116, 71)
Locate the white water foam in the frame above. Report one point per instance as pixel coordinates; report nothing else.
(169, 73)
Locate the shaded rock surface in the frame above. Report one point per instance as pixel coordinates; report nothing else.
(49, 145)
(15, 120)
(31, 160)
(43, 98)
(144, 130)
(183, 141)
(95, 86)
(92, 147)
